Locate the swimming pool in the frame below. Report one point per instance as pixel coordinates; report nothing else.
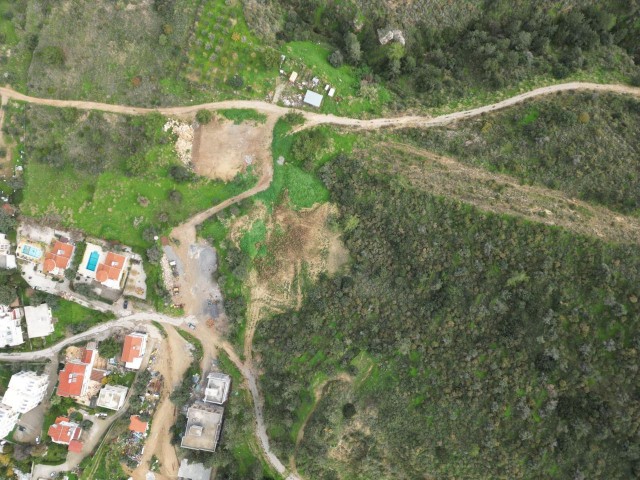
(93, 261)
(31, 251)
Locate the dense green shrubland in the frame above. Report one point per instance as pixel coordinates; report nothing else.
(499, 348)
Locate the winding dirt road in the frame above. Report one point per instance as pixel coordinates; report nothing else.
(313, 118)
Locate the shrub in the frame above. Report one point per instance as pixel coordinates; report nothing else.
(336, 59)
(204, 116)
(235, 82)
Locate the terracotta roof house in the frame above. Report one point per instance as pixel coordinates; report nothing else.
(135, 344)
(111, 271)
(57, 259)
(75, 376)
(64, 432)
(138, 426)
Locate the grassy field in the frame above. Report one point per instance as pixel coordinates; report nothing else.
(301, 185)
(111, 53)
(73, 318)
(115, 175)
(311, 60)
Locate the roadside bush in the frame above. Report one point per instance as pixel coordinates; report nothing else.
(204, 116)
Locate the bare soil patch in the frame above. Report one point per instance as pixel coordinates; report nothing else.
(222, 149)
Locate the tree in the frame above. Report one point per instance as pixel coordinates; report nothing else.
(271, 57)
(7, 294)
(52, 55)
(352, 46)
(336, 59)
(175, 196)
(109, 348)
(180, 173)
(235, 82)
(204, 116)
(154, 254)
(7, 222)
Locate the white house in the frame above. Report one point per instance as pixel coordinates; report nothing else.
(39, 321)
(112, 397)
(26, 390)
(7, 261)
(10, 329)
(8, 420)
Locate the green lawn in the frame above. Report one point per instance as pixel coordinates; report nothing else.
(108, 205)
(74, 318)
(240, 115)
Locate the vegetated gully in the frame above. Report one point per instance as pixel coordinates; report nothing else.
(187, 230)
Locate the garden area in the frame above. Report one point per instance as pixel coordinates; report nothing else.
(225, 54)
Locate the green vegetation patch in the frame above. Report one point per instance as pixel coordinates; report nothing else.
(223, 53)
(116, 176)
(241, 115)
(581, 143)
(107, 51)
(352, 98)
(464, 332)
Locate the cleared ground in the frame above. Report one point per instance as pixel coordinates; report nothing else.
(222, 149)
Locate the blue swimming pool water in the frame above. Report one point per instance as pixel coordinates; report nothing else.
(31, 251)
(93, 261)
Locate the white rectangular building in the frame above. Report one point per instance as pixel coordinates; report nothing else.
(26, 390)
(217, 389)
(312, 98)
(10, 328)
(7, 261)
(8, 419)
(112, 397)
(39, 321)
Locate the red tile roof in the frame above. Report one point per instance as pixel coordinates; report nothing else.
(75, 446)
(137, 425)
(87, 356)
(112, 266)
(60, 254)
(71, 379)
(131, 348)
(63, 431)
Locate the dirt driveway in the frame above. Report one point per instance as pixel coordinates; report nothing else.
(222, 149)
(172, 362)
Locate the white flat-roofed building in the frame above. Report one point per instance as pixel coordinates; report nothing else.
(39, 321)
(10, 328)
(112, 397)
(26, 390)
(217, 389)
(5, 244)
(8, 419)
(312, 98)
(7, 261)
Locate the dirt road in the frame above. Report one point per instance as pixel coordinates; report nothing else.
(172, 361)
(313, 118)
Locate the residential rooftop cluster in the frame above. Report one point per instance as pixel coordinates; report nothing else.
(39, 323)
(204, 417)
